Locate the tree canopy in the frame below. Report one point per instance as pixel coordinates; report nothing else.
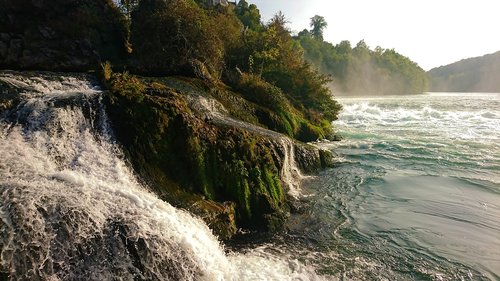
(479, 74)
(361, 70)
(229, 44)
(249, 15)
(318, 24)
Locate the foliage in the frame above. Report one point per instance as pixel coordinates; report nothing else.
(106, 71)
(168, 35)
(191, 38)
(165, 140)
(276, 77)
(318, 24)
(128, 6)
(478, 74)
(126, 85)
(360, 70)
(249, 15)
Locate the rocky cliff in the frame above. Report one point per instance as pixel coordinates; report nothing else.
(62, 35)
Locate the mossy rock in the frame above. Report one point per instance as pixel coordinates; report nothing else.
(176, 151)
(227, 174)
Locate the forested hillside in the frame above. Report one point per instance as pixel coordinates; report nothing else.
(361, 70)
(479, 74)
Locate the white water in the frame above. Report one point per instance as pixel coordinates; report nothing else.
(71, 209)
(290, 173)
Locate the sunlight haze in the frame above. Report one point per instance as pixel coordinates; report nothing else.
(431, 33)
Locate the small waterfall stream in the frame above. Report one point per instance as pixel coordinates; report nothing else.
(71, 209)
(290, 173)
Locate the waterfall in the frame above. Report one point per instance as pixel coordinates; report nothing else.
(71, 209)
(290, 173)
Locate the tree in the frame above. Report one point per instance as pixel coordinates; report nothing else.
(249, 15)
(304, 33)
(318, 24)
(169, 36)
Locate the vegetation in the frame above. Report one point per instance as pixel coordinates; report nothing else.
(479, 74)
(361, 70)
(258, 71)
(261, 62)
(318, 24)
(164, 52)
(177, 152)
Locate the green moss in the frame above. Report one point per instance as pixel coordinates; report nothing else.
(178, 152)
(127, 85)
(310, 132)
(274, 183)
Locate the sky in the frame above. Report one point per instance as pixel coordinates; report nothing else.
(429, 32)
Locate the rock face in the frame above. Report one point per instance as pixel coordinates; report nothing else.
(180, 140)
(8, 96)
(62, 35)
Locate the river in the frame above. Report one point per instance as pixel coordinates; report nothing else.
(416, 192)
(414, 195)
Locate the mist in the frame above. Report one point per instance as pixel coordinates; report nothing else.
(480, 74)
(369, 79)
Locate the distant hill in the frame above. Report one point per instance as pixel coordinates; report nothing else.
(360, 70)
(480, 74)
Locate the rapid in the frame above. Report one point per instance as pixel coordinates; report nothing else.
(72, 209)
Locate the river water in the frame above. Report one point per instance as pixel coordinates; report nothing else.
(416, 195)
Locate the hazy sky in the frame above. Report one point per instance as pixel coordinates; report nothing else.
(430, 32)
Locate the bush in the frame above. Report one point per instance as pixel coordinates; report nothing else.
(168, 35)
(127, 86)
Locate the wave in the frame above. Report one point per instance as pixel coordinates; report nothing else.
(422, 121)
(366, 111)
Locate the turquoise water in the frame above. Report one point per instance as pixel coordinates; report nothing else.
(416, 192)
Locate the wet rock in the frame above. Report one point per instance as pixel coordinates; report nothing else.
(220, 217)
(327, 158)
(3, 50)
(47, 32)
(236, 166)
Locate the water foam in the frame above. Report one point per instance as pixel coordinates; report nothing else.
(290, 173)
(480, 122)
(71, 209)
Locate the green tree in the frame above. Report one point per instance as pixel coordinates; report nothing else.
(360, 70)
(318, 24)
(249, 15)
(169, 36)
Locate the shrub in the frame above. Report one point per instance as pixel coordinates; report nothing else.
(167, 35)
(127, 86)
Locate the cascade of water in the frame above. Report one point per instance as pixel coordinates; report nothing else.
(71, 209)
(290, 173)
